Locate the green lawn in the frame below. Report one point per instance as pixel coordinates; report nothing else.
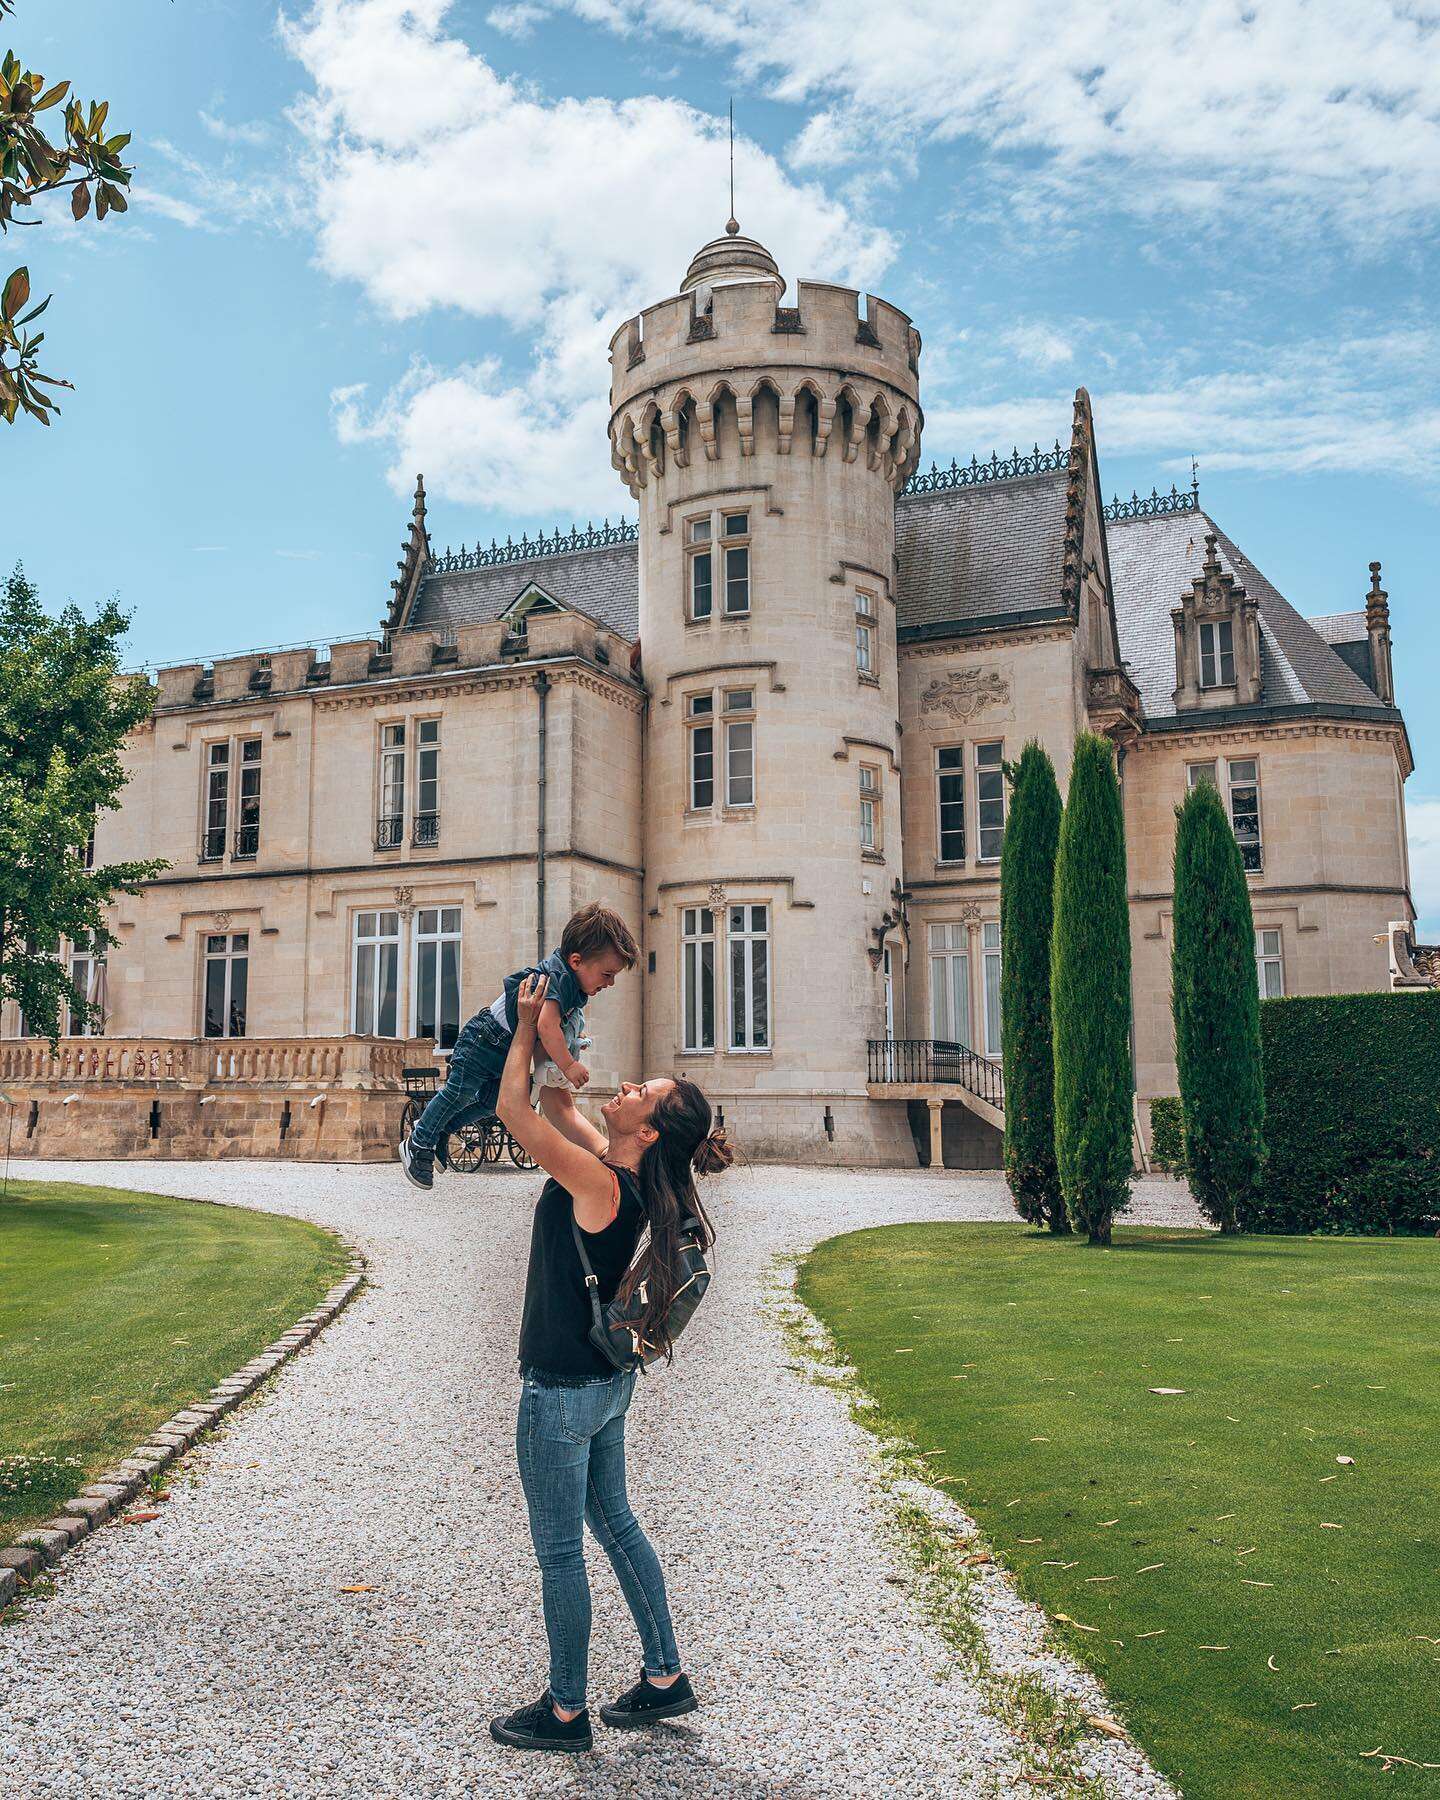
(116, 1309)
(1219, 1516)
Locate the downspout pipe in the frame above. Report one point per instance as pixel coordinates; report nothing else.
(542, 689)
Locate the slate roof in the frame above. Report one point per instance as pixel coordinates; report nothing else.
(1341, 628)
(603, 584)
(974, 552)
(1154, 561)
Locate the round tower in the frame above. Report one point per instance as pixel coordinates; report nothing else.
(765, 444)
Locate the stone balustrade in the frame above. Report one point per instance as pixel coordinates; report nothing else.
(350, 1062)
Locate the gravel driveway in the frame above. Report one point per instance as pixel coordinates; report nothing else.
(212, 1652)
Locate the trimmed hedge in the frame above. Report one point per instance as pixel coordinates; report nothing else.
(1167, 1134)
(1352, 1088)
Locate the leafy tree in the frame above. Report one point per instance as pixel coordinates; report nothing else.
(35, 160)
(1090, 995)
(1215, 999)
(65, 711)
(1027, 901)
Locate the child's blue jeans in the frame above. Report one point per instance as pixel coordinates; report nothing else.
(473, 1083)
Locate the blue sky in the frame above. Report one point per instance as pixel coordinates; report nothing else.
(369, 238)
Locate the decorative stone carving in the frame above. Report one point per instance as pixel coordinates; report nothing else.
(966, 693)
(222, 921)
(715, 899)
(972, 912)
(405, 901)
(1216, 599)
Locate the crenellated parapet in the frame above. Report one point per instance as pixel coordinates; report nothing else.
(729, 367)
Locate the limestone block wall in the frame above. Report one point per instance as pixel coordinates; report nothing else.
(318, 864)
(1334, 874)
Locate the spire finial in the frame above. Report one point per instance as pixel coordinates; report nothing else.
(732, 224)
(1194, 477)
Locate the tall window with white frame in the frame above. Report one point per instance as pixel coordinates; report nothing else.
(700, 751)
(735, 542)
(865, 635)
(247, 829)
(227, 984)
(87, 977)
(749, 936)
(1270, 962)
(1217, 653)
(217, 802)
(990, 800)
(950, 983)
(375, 975)
(427, 783)
(950, 802)
(871, 840)
(990, 955)
(390, 819)
(435, 976)
(1244, 777)
(1242, 801)
(740, 747)
(697, 978)
(699, 569)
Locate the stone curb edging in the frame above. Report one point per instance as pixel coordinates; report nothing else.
(107, 1497)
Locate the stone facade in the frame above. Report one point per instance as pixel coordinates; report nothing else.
(767, 724)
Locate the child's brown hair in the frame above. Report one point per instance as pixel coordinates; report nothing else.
(594, 930)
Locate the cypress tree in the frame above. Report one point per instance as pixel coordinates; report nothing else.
(1215, 1000)
(1090, 995)
(1027, 906)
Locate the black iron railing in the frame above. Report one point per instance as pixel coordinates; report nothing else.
(935, 1061)
(212, 844)
(389, 831)
(427, 829)
(247, 843)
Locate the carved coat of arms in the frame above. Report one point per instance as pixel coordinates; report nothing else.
(965, 693)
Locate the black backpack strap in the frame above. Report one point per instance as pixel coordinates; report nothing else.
(592, 1280)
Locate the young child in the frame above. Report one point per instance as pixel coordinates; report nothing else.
(595, 947)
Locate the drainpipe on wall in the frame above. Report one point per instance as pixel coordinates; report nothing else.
(542, 688)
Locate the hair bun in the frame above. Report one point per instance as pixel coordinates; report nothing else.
(713, 1153)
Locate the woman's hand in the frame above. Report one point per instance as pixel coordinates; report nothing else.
(530, 999)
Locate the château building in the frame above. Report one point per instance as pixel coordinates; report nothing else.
(769, 722)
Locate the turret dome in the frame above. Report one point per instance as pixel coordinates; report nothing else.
(730, 259)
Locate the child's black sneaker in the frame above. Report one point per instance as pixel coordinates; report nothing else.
(645, 1704)
(419, 1165)
(442, 1153)
(536, 1727)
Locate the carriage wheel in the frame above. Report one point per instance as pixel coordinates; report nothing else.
(467, 1148)
(494, 1145)
(521, 1158)
(412, 1112)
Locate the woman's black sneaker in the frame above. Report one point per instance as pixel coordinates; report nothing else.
(645, 1704)
(535, 1727)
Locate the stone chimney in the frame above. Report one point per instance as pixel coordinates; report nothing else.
(1377, 629)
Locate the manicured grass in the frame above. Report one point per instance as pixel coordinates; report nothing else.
(116, 1309)
(1169, 1523)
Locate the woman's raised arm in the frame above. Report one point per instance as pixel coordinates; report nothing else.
(590, 1183)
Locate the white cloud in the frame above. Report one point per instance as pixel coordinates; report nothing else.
(1040, 345)
(252, 132)
(1360, 405)
(515, 21)
(1422, 815)
(215, 199)
(557, 216)
(1320, 110)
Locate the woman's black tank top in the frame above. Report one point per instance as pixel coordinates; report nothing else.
(556, 1319)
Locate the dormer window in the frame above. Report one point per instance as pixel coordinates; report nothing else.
(1217, 653)
(1217, 639)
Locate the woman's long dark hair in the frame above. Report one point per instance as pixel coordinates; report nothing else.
(688, 1145)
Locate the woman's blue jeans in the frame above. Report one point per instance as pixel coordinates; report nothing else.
(570, 1442)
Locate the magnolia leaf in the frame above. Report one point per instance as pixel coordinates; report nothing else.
(140, 1518)
(52, 96)
(80, 201)
(16, 292)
